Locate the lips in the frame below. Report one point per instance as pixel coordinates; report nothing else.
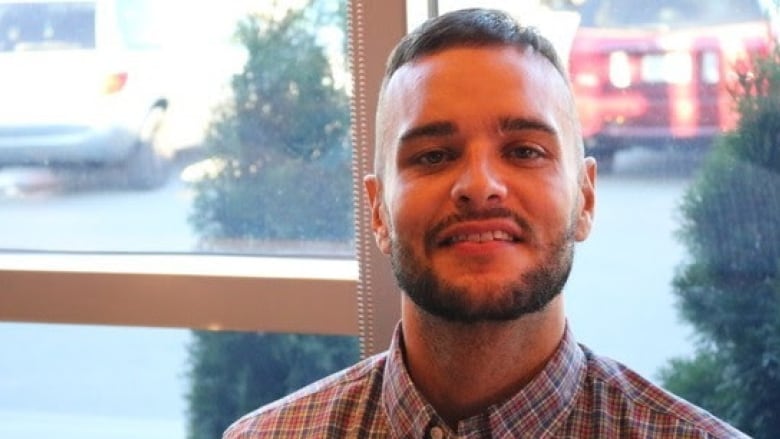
(481, 232)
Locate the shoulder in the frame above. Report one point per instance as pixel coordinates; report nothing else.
(341, 400)
(627, 401)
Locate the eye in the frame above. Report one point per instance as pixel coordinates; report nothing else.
(434, 157)
(524, 152)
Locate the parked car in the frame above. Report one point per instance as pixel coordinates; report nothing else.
(87, 83)
(660, 73)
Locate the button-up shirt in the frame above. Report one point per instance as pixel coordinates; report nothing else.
(577, 395)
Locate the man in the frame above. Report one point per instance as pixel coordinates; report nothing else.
(479, 194)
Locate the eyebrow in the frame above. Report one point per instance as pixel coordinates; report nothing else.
(433, 129)
(444, 129)
(522, 124)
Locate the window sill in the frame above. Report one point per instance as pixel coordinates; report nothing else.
(191, 291)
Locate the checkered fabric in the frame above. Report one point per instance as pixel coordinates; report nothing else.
(577, 395)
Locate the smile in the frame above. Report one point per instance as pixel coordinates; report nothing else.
(504, 229)
(494, 235)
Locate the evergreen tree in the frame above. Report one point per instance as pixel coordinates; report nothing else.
(233, 373)
(730, 288)
(282, 146)
(284, 174)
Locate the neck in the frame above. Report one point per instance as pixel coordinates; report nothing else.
(461, 369)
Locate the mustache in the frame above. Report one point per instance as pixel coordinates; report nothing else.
(494, 213)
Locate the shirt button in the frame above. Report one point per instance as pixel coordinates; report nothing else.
(437, 433)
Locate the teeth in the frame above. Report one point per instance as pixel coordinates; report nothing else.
(496, 235)
(501, 236)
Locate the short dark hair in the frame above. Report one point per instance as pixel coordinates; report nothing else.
(470, 28)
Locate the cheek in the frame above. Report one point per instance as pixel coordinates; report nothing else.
(410, 213)
(555, 208)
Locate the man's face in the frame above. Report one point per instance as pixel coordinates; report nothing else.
(482, 193)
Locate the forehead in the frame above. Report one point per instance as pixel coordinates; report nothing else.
(467, 86)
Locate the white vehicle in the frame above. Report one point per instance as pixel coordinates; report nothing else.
(87, 83)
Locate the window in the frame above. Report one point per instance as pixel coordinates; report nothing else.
(31, 26)
(102, 149)
(109, 256)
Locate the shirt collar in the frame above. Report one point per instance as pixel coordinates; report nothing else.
(537, 409)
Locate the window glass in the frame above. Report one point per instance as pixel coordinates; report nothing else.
(90, 382)
(621, 14)
(176, 127)
(47, 26)
(246, 151)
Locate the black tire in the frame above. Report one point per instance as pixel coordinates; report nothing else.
(146, 168)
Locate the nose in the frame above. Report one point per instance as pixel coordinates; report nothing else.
(479, 185)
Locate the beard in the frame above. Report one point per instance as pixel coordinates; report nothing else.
(529, 293)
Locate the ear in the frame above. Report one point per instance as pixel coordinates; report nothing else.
(378, 221)
(588, 200)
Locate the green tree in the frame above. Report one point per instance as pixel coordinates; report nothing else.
(730, 288)
(281, 147)
(233, 373)
(283, 174)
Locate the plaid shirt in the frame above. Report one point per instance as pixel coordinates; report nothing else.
(577, 395)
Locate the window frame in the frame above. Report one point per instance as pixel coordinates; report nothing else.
(186, 291)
